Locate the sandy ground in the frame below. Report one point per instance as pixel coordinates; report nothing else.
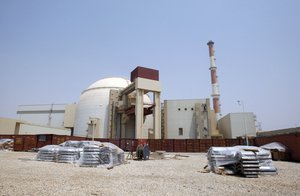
(21, 175)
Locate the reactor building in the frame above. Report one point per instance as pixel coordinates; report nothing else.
(120, 108)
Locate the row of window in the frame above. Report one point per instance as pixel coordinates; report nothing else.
(179, 109)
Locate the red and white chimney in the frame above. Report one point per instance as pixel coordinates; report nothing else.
(214, 80)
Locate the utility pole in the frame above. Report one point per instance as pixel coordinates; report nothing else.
(240, 102)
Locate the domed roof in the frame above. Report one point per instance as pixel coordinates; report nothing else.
(113, 82)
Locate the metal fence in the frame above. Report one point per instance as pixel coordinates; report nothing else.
(31, 142)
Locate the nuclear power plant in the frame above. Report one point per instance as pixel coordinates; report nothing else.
(120, 108)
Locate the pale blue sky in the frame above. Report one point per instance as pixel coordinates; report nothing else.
(50, 51)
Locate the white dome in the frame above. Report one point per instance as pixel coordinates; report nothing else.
(94, 103)
(111, 83)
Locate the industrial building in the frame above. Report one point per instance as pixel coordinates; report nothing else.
(235, 125)
(16, 127)
(50, 115)
(188, 119)
(40, 119)
(97, 114)
(119, 108)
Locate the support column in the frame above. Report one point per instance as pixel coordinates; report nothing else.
(157, 116)
(123, 125)
(124, 116)
(139, 114)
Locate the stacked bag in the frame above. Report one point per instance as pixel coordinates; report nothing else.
(6, 144)
(249, 161)
(83, 153)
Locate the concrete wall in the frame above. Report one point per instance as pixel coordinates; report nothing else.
(180, 115)
(69, 117)
(43, 114)
(224, 125)
(212, 120)
(27, 129)
(278, 132)
(148, 125)
(7, 126)
(15, 127)
(237, 124)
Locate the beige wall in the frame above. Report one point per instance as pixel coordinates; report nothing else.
(7, 126)
(225, 126)
(213, 129)
(27, 129)
(188, 116)
(70, 115)
(146, 84)
(13, 126)
(237, 125)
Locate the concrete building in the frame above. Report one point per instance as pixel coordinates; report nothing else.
(119, 108)
(131, 104)
(188, 119)
(235, 125)
(8, 126)
(17, 127)
(40, 119)
(50, 115)
(107, 109)
(92, 112)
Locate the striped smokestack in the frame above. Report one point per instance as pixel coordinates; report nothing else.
(214, 80)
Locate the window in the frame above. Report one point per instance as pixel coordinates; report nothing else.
(180, 131)
(42, 138)
(185, 109)
(192, 109)
(178, 109)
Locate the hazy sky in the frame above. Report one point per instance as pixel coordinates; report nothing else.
(51, 50)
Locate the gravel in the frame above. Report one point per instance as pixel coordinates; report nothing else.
(20, 174)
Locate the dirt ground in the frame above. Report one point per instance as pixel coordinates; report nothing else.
(20, 174)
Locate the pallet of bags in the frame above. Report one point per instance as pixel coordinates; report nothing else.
(104, 155)
(6, 144)
(68, 155)
(249, 161)
(48, 153)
